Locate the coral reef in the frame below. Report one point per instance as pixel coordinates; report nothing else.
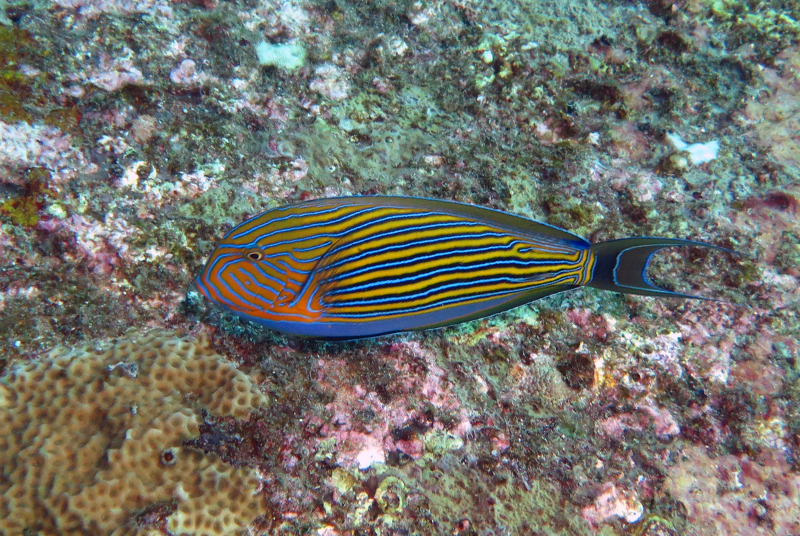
(736, 493)
(775, 115)
(135, 133)
(93, 441)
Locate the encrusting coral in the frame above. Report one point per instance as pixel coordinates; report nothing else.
(92, 441)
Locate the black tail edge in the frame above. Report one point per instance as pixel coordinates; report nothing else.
(621, 265)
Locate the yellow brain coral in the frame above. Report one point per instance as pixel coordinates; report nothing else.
(92, 441)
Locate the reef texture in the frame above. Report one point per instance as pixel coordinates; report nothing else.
(92, 441)
(135, 133)
(731, 493)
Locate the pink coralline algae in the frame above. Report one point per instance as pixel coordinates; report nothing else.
(596, 326)
(143, 128)
(331, 81)
(613, 502)
(102, 245)
(160, 193)
(25, 146)
(287, 18)
(715, 339)
(774, 117)
(94, 8)
(664, 352)
(665, 425)
(736, 494)
(112, 74)
(644, 186)
(187, 74)
(712, 362)
(15, 290)
(279, 182)
(769, 217)
(246, 98)
(5, 241)
(420, 380)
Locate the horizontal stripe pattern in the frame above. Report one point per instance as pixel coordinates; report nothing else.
(375, 260)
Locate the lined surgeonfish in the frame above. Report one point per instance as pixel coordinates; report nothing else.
(362, 266)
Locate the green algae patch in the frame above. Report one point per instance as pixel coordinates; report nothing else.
(25, 210)
(467, 496)
(769, 25)
(450, 496)
(367, 156)
(16, 46)
(64, 119)
(11, 109)
(22, 210)
(224, 204)
(570, 213)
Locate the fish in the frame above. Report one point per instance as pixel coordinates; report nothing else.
(362, 266)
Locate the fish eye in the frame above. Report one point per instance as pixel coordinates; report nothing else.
(254, 255)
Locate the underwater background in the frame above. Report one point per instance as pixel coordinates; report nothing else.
(134, 134)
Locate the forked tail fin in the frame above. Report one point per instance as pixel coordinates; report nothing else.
(621, 265)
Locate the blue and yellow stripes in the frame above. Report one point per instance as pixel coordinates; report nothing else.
(362, 266)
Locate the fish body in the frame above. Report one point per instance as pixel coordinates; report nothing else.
(363, 266)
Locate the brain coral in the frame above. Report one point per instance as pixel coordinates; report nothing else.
(92, 441)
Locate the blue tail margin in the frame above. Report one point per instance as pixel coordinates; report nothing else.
(621, 265)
